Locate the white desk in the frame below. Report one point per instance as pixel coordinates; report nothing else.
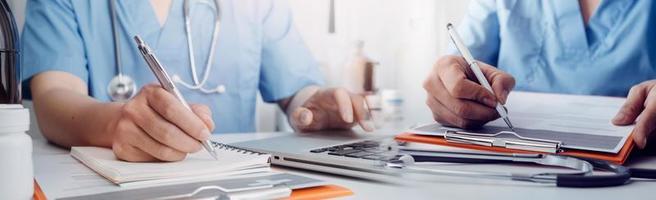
(461, 188)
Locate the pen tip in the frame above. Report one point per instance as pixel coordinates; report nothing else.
(449, 26)
(213, 153)
(507, 120)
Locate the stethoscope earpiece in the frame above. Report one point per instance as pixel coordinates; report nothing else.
(219, 89)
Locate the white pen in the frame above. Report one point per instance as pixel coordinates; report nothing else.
(503, 112)
(165, 80)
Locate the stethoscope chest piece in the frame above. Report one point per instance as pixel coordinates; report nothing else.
(121, 88)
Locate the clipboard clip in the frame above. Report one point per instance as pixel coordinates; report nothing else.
(277, 191)
(500, 139)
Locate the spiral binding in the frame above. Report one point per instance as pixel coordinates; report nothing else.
(223, 146)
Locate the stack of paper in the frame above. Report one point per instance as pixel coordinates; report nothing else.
(197, 166)
(581, 125)
(579, 122)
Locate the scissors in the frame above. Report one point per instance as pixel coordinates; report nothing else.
(409, 158)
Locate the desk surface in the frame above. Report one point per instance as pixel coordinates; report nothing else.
(449, 188)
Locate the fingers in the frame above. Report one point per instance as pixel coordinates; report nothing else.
(303, 120)
(453, 74)
(640, 107)
(500, 81)
(131, 154)
(344, 105)
(361, 110)
(462, 109)
(331, 109)
(647, 121)
(156, 126)
(131, 137)
(145, 143)
(632, 107)
(205, 114)
(444, 116)
(162, 152)
(160, 129)
(171, 109)
(455, 99)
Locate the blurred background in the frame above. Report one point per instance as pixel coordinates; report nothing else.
(400, 39)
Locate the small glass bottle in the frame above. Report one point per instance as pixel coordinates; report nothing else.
(359, 71)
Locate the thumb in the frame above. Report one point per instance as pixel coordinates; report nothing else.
(302, 119)
(632, 107)
(204, 113)
(502, 83)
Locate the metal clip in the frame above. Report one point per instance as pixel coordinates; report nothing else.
(494, 140)
(277, 191)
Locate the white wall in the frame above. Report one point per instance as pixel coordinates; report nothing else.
(405, 36)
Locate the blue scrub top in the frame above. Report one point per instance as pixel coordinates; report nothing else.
(547, 46)
(258, 49)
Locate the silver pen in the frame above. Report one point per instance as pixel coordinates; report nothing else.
(457, 41)
(166, 82)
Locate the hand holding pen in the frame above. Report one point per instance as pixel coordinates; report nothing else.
(156, 125)
(167, 83)
(457, 98)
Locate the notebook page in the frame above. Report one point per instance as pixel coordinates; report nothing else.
(105, 163)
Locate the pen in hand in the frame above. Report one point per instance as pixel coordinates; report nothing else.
(473, 65)
(167, 83)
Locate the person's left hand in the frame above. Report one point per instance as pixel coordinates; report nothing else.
(333, 108)
(640, 107)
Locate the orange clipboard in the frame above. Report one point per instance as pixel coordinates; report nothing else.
(38, 193)
(320, 192)
(618, 158)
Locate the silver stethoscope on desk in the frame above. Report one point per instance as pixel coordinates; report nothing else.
(415, 161)
(122, 87)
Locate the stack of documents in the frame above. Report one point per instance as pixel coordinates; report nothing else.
(565, 124)
(197, 166)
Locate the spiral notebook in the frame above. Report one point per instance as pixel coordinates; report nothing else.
(198, 166)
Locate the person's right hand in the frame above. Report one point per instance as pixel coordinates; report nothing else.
(155, 126)
(456, 98)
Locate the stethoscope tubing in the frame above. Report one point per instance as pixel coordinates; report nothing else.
(621, 175)
(117, 46)
(122, 87)
(210, 60)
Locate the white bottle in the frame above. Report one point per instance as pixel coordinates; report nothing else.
(16, 175)
(392, 107)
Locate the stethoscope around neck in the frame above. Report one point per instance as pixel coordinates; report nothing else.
(122, 87)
